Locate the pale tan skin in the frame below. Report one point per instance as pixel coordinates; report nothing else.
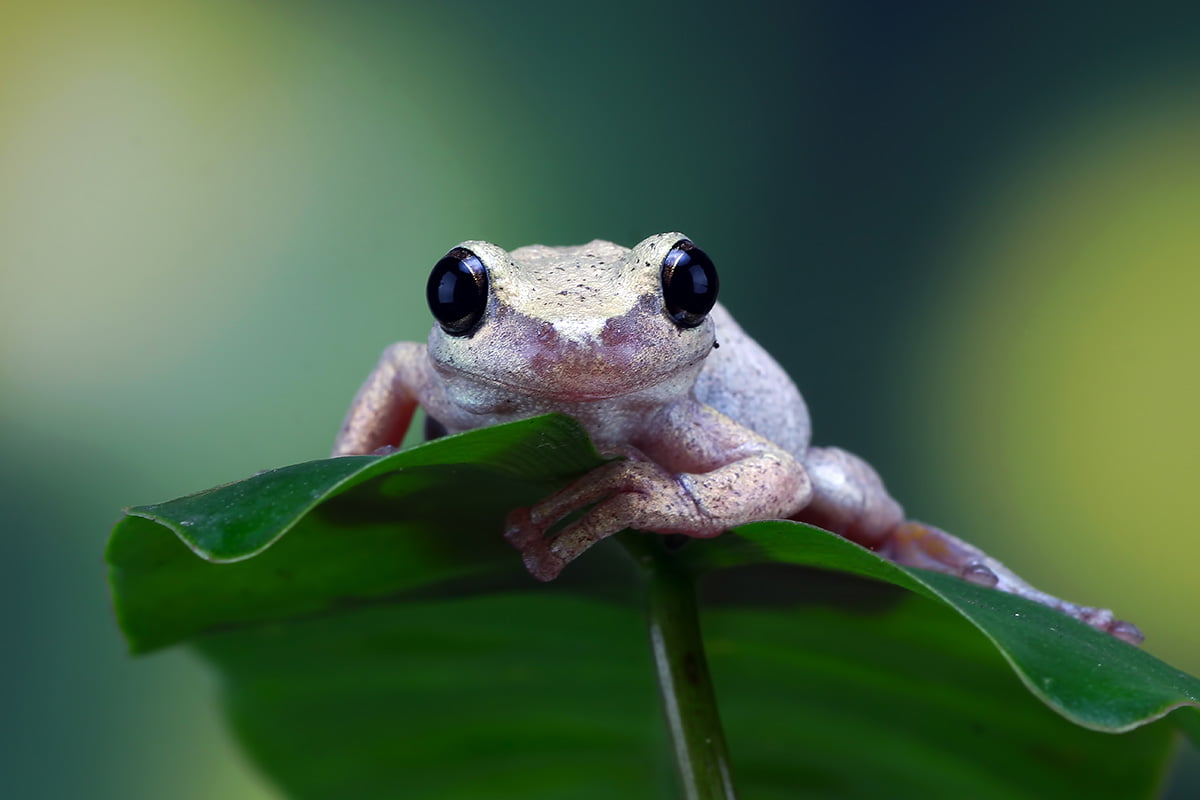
(713, 431)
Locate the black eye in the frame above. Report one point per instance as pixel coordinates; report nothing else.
(689, 282)
(458, 291)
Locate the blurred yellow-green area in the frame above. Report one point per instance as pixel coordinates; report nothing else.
(969, 231)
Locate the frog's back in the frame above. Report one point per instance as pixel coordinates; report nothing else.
(742, 381)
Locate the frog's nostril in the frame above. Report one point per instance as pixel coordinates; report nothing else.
(546, 334)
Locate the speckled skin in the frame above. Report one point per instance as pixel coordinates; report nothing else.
(713, 431)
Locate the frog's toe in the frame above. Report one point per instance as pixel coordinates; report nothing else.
(980, 574)
(519, 530)
(540, 559)
(542, 563)
(1103, 620)
(1126, 631)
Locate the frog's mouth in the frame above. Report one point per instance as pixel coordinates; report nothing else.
(580, 380)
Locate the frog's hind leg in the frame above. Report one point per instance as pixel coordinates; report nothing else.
(849, 499)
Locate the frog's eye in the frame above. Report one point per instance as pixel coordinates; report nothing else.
(458, 291)
(689, 282)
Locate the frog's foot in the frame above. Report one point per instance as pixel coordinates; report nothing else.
(527, 529)
(619, 495)
(628, 494)
(917, 545)
(531, 540)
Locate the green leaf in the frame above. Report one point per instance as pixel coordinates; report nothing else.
(901, 702)
(378, 638)
(414, 520)
(1089, 677)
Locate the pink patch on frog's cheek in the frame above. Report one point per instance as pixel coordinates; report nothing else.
(620, 357)
(617, 332)
(541, 358)
(583, 367)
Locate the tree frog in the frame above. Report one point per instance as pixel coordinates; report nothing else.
(633, 343)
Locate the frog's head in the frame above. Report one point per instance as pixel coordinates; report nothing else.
(574, 323)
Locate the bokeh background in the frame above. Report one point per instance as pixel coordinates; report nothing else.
(970, 232)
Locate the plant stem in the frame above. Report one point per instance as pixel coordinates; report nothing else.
(684, 683)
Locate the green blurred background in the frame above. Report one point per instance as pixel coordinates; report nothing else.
(969, 232)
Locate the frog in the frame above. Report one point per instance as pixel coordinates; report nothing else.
(705, 430)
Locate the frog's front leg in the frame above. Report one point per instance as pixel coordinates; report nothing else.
(850, 499)
(384, 406)
(699, 475)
